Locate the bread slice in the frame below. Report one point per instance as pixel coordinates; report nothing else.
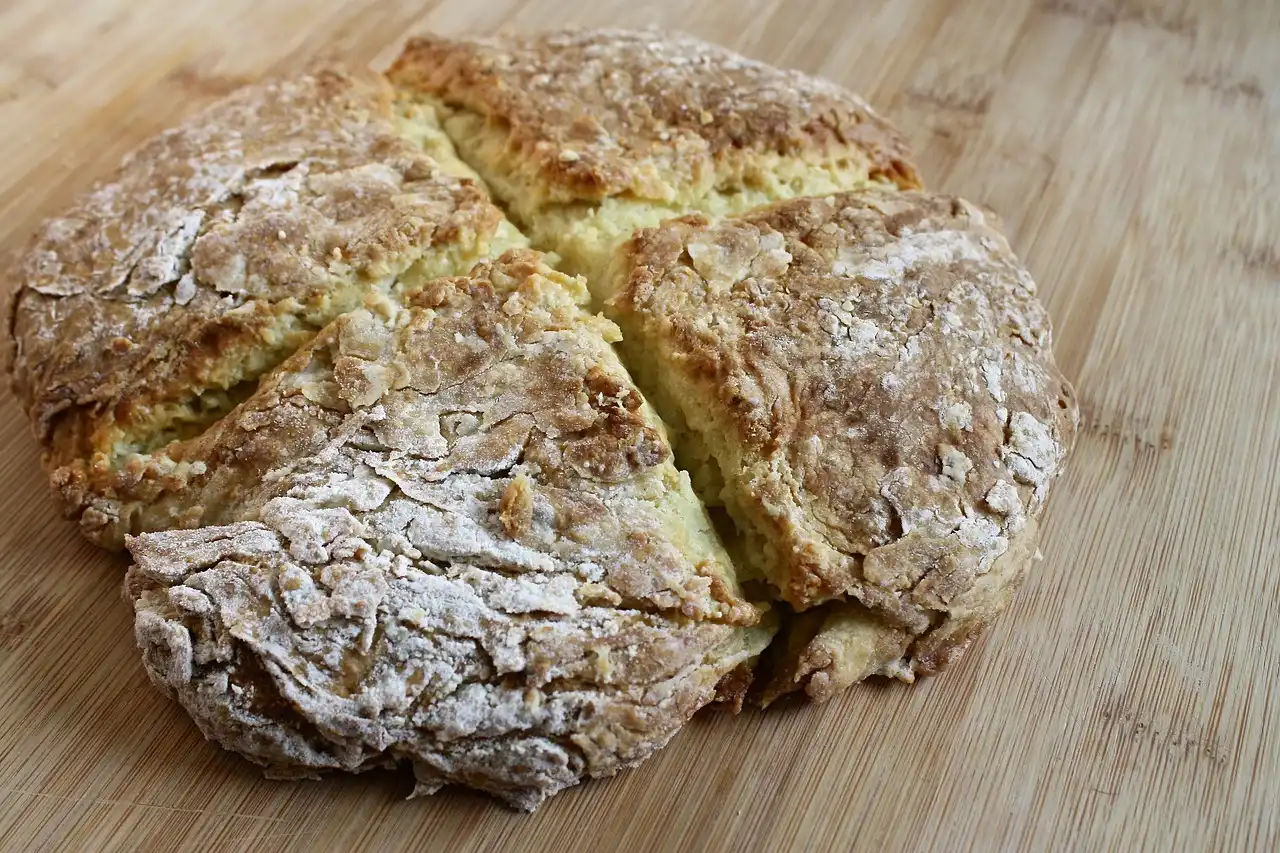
(865, 382)
(587, 135)
(151, 307)
(469, 549)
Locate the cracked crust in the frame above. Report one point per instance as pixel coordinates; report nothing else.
(586, 135)
(498, 381)
(216, 250)
(866, 383)
(469, 549)
(298, 644)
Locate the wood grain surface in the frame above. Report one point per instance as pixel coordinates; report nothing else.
(1128, 701)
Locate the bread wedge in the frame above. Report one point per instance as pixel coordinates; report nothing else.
(151, 307)
(865, 382)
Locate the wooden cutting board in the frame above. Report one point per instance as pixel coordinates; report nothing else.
(1128, 700)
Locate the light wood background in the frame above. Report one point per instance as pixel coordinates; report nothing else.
(1128, 700)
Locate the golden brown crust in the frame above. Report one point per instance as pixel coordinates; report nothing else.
(647, 114)
(217, 249)
(874, 375)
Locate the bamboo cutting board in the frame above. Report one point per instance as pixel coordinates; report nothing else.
(1129, 700)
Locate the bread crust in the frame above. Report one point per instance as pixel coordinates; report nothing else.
(297, 643)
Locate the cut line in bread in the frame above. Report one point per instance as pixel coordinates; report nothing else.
(587, 135)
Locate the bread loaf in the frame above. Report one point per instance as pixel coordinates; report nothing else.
(324, 358)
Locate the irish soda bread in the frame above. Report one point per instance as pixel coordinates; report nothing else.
(323, 359)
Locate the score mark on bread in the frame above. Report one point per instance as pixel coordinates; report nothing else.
(587, 135)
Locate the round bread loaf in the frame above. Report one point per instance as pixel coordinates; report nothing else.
(391, 494)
